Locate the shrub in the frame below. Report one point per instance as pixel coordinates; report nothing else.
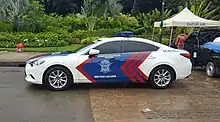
(108, 23)
(68, 23)
(145, 36)
(5, 27)
(33, 40)
(55, 29)
(140, 31)
(49, 39)
(35, 20)
(107, 32)
(165, 41)
(88, 40)
(127, 22)
(72, 23)
(82, 34)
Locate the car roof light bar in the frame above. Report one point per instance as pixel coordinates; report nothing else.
(124, 34)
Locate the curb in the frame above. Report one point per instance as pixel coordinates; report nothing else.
(11, 64)
(3, 52)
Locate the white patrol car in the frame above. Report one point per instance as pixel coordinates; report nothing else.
(111, 60)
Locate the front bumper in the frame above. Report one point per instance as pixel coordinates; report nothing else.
(33, 74)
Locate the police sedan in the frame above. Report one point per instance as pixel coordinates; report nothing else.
(111, 60)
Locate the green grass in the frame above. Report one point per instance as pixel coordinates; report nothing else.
(46, 49)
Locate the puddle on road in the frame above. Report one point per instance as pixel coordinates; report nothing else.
(183, 114)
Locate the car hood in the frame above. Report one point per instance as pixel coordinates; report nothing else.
(49, 55)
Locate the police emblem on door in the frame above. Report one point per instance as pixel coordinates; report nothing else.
(105, 66)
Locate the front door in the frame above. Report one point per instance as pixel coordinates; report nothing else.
(105, 67)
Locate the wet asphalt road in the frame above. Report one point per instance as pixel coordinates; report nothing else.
(195, 99)
(24, 102)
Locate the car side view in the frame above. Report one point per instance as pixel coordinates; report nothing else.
(121, 59)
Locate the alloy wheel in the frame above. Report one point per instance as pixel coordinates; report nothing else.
(162, 77)
(58, 79)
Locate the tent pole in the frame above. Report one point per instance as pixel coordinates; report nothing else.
(171, 35)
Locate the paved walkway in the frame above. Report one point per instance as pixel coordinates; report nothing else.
(16, 57)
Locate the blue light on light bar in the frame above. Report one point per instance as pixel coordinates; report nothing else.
(124, 34)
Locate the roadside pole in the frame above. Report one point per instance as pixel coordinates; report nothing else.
(161, 20)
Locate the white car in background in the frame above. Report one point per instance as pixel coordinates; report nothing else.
(121, 59)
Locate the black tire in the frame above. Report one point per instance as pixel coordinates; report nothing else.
(154, 72)
(210, 69)
(53, 69)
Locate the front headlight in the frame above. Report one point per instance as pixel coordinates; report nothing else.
(36, 63)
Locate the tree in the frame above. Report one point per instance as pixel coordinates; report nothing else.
(92, 9)
(12, 10)
(113, 8)
(203, 8)
(173, 4)
(90, 13)
(62, 7)
(148, 19)
(33, 19)
(135, 8)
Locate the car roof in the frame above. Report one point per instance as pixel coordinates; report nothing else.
(104, 40)
(110, 39)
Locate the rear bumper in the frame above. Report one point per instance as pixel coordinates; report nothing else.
(184, 71)
(188, 76)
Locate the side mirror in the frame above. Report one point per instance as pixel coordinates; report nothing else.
(94, 52)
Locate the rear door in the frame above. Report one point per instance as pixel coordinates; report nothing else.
(134, 54)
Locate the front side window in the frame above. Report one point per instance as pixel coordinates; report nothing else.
(109, 47)
(134, 46)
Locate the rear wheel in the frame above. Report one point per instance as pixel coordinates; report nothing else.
(210, 69)
(57, 78)
(161, 77)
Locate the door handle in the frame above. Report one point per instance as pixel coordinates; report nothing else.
(151, 57)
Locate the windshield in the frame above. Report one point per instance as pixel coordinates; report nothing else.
(82, 48)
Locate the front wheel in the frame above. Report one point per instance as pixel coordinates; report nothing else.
(161, 77)
(57, 78)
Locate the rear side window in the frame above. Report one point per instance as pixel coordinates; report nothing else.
(208, 35)
(134, 46)
(110, 47)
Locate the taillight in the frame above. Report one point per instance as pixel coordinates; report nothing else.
(186, 55)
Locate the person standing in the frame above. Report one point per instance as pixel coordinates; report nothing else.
(180, 40)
